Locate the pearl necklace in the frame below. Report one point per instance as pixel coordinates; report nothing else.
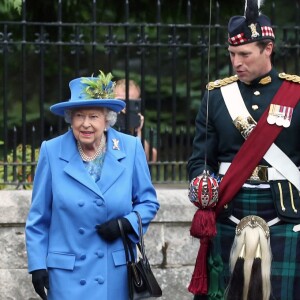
(99, 150)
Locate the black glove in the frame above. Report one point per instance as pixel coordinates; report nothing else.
(40, 281)
(110, 230)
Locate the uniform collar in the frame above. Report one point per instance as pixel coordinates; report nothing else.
(265, 79)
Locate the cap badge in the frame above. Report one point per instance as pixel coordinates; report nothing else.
(254, 33)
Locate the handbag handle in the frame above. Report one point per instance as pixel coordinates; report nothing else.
(141, 244)
(128, 250)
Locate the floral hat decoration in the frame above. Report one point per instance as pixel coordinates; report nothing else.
(90, 92)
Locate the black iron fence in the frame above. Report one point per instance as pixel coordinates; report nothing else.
(167, 59)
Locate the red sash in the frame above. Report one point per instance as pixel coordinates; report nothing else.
(254, 148)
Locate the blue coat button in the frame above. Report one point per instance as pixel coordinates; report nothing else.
(99, 202)
(82, 281)
(81, 203)
(82, 257)
(100, 280)
(100, 253)
(81, 230)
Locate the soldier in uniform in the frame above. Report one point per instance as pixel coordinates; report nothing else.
(248, 135)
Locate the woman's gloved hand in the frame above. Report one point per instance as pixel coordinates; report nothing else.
(40, 281)
(110, 230)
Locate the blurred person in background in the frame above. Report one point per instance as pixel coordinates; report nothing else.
(134, 94)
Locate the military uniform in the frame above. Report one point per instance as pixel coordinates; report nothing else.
(256, 198)
(224, 141)
(259, 209)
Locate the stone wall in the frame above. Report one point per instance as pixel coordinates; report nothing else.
(170, 248)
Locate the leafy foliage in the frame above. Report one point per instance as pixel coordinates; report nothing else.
(15, 170)
(11, 5)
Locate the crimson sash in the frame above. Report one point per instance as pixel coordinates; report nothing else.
(254, 148)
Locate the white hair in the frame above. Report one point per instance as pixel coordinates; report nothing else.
(111, 116)
(68, 115)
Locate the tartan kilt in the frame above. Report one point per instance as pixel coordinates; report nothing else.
(285, 243)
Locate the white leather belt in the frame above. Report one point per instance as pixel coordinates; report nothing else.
(266, 174)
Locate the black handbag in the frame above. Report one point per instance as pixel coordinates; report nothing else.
(141, 281)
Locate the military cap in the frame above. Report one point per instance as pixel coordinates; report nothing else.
(251, 27)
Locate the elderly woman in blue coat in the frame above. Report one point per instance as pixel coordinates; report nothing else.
(85, 180)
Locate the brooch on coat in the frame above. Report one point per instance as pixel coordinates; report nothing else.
(115, 144)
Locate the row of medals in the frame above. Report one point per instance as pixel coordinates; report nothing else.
(280, 115)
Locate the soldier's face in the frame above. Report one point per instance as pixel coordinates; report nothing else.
(249, 61)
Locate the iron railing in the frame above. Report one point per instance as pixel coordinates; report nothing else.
(168, 60)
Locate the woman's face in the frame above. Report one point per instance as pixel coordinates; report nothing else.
(88, 125)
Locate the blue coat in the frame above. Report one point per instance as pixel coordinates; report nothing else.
(66, 206)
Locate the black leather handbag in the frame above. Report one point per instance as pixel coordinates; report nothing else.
(141, 281)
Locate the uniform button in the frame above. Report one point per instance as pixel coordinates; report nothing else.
(81, 231)
(100, 280)
(100, 253)
(82, 281)
(83, 257)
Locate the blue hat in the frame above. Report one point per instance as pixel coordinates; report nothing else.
(89, 92)
(249, 28)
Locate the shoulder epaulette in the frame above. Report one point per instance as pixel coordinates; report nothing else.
(289, 77)
(221, 82)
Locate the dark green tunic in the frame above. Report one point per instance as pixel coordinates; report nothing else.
(223, 142)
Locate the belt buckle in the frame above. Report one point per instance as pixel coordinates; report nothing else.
(260, 173)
